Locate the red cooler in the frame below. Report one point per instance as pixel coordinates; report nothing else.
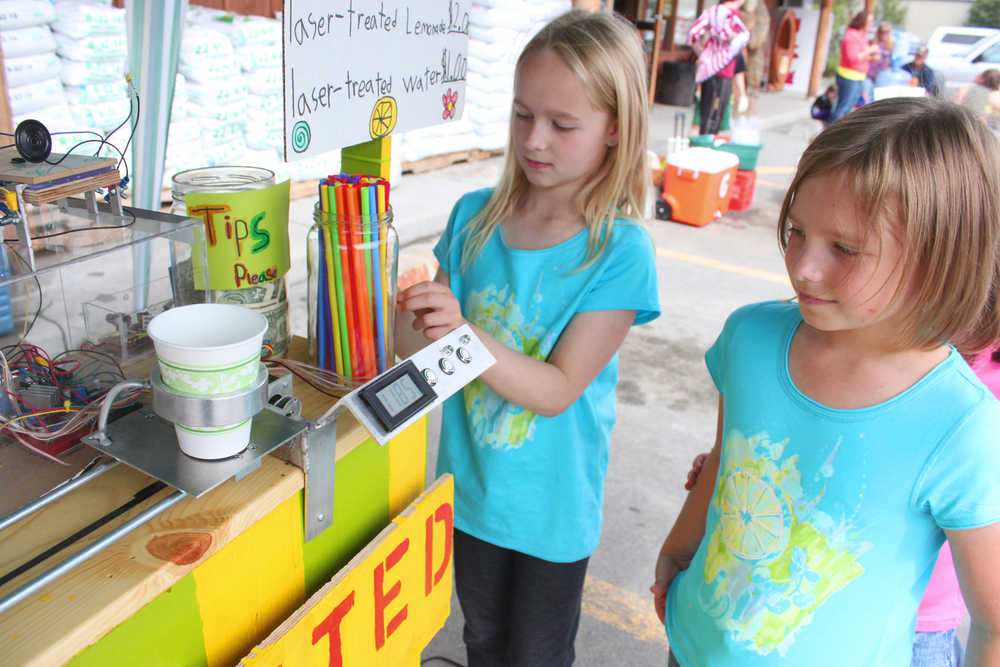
(697, 186)
(743, 190)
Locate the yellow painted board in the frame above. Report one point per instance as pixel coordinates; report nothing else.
(385, 605)
(261, 570)
(407, 466)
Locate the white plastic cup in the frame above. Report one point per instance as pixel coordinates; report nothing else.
(208, 349)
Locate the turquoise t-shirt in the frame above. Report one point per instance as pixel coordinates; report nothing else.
(525, 482)
(825, 524)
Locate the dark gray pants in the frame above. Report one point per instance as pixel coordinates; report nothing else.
(520, 611)
(715, 94)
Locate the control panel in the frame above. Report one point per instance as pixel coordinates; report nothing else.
(395, 399)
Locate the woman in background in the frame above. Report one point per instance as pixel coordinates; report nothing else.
(855, 56)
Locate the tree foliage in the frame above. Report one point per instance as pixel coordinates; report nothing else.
(985, 13)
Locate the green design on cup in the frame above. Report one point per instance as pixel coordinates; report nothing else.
(211, 430)
(210, 381)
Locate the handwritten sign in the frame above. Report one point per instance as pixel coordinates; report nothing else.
(247, 236)
(357, 70)
(385, 605)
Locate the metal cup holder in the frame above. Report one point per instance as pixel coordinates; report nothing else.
(202, 411)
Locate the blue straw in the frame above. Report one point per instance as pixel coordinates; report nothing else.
(321, 307)
(377, 277)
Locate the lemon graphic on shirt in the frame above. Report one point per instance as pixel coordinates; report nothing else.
(752, 518)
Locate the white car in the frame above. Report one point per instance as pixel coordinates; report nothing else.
(958, 53)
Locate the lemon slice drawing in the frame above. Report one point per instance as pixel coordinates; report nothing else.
(383, 118)
(752, 520)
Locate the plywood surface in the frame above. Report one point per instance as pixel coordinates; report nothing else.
(40, 172)
(52, 625)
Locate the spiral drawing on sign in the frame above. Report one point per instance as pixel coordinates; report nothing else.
(300, 136)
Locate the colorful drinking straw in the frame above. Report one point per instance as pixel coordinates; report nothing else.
(360, 284)
(328, 337)
(321, 316)
(346, 278)
(352, 290)
(336, 276)
(383, 206)
(377, 280)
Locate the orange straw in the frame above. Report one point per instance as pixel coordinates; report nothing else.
(364, 315)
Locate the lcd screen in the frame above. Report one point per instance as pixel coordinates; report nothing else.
(398, 395)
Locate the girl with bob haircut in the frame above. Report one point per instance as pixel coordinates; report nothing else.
(853, 438)
(551, 269)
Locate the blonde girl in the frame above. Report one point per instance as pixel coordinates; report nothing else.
(852, 435)
(551, 268)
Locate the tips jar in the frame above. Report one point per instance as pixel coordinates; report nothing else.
(352, 294)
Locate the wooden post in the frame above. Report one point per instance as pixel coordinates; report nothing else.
(590, 5)
(822, 45)
(654, 57)
(6, 117)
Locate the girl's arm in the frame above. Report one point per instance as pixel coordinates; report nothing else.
(546, 388)
(976, 552)
(689, 527)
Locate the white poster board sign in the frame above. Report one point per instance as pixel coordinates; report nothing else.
(357, 70)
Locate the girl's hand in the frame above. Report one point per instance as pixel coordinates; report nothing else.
(696, 466)
(667, 568)
(436, 309)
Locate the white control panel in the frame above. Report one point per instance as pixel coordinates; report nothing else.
(403, 394)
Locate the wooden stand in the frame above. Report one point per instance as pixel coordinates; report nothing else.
(209, 578)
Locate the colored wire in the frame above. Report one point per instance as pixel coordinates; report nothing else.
(325, 381)
(103, 140)
(68, 374)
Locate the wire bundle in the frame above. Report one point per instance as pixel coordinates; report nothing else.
(82, 378)
(325, 381)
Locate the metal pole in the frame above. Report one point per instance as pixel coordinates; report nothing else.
(78, 558)
(56, 493)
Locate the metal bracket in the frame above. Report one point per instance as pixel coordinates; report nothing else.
(319, 453)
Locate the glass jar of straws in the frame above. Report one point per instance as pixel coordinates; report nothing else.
(271, 298)
(352, 258)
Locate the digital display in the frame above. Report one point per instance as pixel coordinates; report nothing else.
(398, 395)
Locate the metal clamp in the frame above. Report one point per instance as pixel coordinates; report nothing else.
(217, 410)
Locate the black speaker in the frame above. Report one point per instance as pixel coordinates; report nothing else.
(32, 140)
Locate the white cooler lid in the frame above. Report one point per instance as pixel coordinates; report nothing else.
(703, 159)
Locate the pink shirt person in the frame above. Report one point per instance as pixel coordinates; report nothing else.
(942, 607)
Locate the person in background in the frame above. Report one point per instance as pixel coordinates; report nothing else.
(741, 101)
(942, 608)
(882, 61)
(717, 36)
(855, 54)
(920, 74)
(983, 97)
(551, 268)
